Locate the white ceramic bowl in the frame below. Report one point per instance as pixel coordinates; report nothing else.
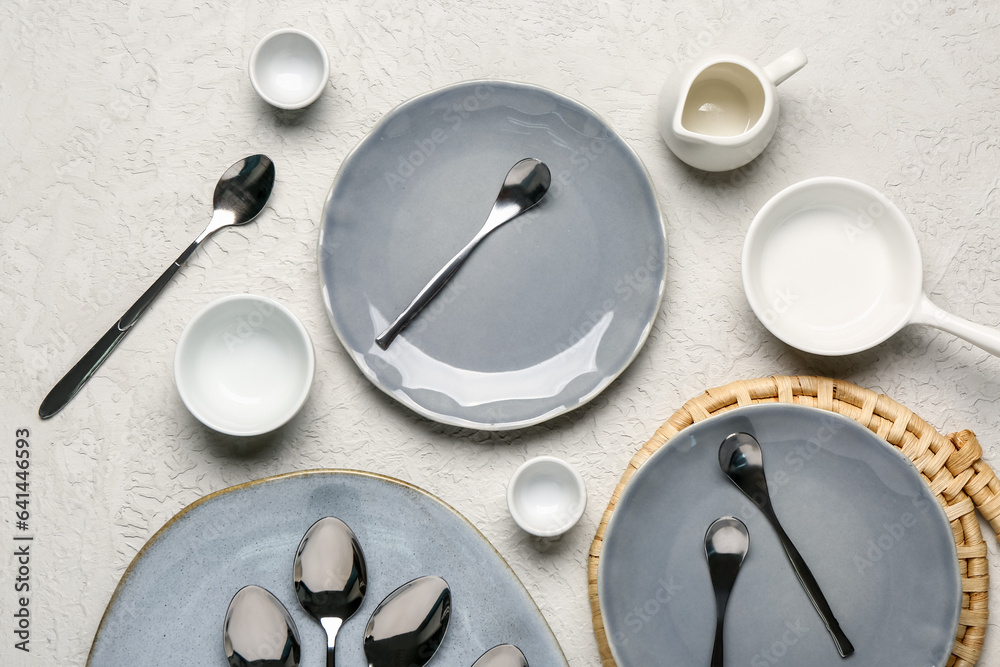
(289, 68)
(546, 496)
(831, 266)
(244, 365)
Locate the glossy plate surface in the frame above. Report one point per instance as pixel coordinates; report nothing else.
(548, 310)
(169, 607)
(872, 533)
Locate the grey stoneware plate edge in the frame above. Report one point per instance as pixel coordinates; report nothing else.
(685, 438)
(458, 421)
(122, 582)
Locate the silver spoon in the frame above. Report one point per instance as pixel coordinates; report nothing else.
(408, 626)
(505, 655)
(259, 632)
(525, 185)
(726, 545)
(239, 196)
(743, 462)
(330, 577)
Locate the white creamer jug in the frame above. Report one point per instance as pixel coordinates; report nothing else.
(721, 112)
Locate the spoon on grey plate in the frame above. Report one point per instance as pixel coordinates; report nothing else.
(240, 196)
(726, 545)
(525, 185)
(741, 459)
(259, 632)
(329, 576)
(408, 626)
(505, 655)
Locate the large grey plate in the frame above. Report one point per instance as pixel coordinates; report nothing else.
(872, 533)
(548, 310)
(169, 606)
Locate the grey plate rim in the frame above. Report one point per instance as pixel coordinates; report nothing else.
(756, 407)
(301, 473)
(458, 421)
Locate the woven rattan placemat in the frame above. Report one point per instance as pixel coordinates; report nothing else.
(952, 467)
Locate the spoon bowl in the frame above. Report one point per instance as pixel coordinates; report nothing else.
(259, 632)
(525, 185)
(408, 626)
(240, 195)
(330, 576)
(505, 655)
(726, 544)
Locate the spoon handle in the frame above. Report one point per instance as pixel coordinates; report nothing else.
(332, 626)
(428, 292)
(717, 653)
(73, 381)
(811, 587)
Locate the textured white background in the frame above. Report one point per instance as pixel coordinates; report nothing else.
(118, 117)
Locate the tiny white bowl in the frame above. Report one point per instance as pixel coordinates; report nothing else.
(546, 496)
(289, 68)
(244, 365)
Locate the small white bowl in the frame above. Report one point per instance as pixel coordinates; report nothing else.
(289, 68)
(244, 365)
(546, 496)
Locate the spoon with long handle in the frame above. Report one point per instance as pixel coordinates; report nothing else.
(259, 632)
(505, 655)
(726, 544)
(408, 626)
(743, 462)
(330, 576)
(239, 196)
(525, 185)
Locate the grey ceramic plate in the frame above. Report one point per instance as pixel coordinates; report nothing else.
(169, 606)
(877, 541)
(548, 310)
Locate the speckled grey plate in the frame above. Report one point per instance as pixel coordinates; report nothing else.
(169, 606)
(872, 533)
(548, 310)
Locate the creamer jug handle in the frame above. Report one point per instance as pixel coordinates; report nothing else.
(786, 65)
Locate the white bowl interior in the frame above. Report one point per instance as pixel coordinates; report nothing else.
(546, 496)
(244, 365)
(289, 68)
(830, 266)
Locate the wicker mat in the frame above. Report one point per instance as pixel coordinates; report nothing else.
(951, 465)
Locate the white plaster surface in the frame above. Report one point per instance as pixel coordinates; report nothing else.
(116, 119)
